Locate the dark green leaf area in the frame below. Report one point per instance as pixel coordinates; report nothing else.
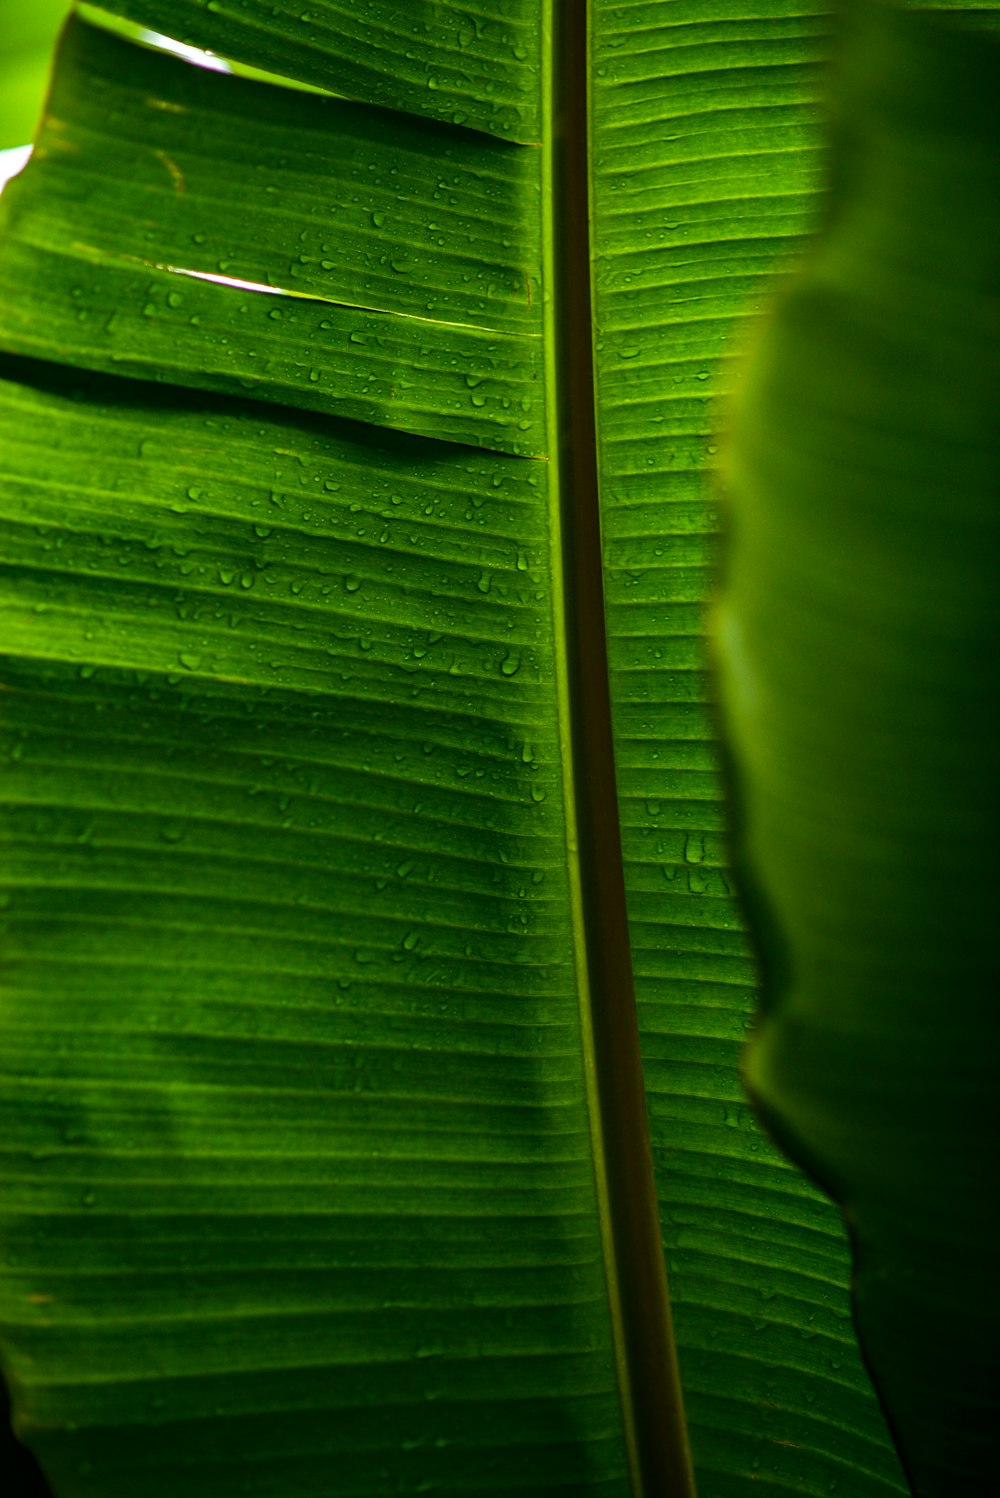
(297, 1158)
(470, 65)
(859, 637)
(144, 156)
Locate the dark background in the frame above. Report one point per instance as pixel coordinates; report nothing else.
(19, 1474)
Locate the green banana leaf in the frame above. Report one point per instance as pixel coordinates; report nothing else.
(865, 478)
(334, 1158)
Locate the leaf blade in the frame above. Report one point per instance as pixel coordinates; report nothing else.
(882, 364)
(701, 199)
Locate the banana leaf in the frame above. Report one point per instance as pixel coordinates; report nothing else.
(858, 637)
(361, 765)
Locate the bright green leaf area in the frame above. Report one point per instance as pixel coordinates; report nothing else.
(27, 32)
(302, 1186)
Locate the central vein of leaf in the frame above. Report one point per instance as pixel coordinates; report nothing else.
(649, 1383)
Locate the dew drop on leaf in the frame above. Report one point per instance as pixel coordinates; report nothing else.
(694, 848)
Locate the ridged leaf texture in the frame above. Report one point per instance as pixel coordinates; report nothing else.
(327, 1161)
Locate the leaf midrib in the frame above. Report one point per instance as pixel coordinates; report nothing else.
(653, 1419)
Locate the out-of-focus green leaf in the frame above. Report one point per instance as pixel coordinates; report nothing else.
(27, 32)
(859, 635)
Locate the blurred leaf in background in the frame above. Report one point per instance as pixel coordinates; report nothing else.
(27, 34)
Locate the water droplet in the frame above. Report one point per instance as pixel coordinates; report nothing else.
(352, 582)
(694, 848)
